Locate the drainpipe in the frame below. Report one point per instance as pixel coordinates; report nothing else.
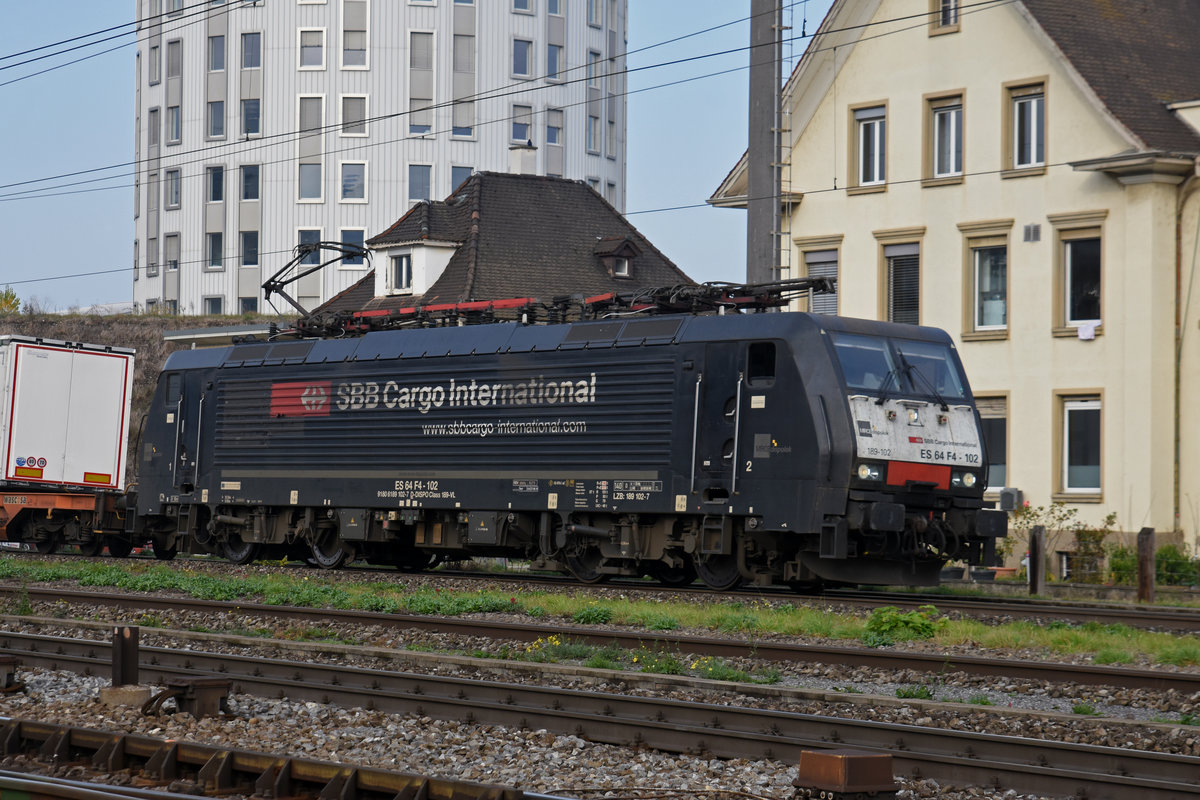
(1189, 187)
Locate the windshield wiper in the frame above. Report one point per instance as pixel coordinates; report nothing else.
(909, 369)
(883, 387)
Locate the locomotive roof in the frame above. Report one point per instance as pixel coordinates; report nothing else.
(512, 337)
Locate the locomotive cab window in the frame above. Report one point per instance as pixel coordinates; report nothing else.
(865, 360)
(760, 363)
(174, 386)
(929, 369)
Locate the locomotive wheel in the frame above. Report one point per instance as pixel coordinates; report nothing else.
(92, 547)
(585, 565)
(238, 551)
(118, 548)
(719, 572)
(165, 548)
(672, 576)
(328, 551)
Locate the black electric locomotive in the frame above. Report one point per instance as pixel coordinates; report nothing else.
(767, 448)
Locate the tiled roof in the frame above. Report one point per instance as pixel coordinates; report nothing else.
(516, 236)
(1137, 55)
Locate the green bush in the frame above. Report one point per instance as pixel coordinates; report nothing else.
(1123, 565)
(889, 622)
(592, 615)
(914, 693)
(1172, 567)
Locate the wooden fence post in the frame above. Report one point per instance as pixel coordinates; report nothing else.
(1145, 551)
(1037, 560)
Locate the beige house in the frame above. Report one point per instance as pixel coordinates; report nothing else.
(1026, 176)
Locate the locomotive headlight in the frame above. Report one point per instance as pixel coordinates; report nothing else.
(869, 472)
(913, 416)
(964, 479)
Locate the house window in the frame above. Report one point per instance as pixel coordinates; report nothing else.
(136, 267)
(1026, 117)
(249, 248)
(312, 113)
(522, 58)
(464, 53)
(993, 414)
(991, 287)
(554, 55)
(214, 245)
(871, 146)
(610, 192)
(1081, 444)
(250, 182)
(420, 50)
(174, 59)
(822, 264)
(593, 135)
(522, 123)
(251, 120)
(593, 69)
(251, 50)
(948, 12)
(171, 178)
(522, 5)
(1081, 263)
(354, 34)
(459, 176)
(312, 49)
(155, 71)
(216, 119)
(248, 305)
(215, 182)
(947, 142)
(354, 116)
(401, 273)
(310, 236)
(152, 191)
(355, 237)
(463, 119)
(554, 123)
(420, 178)
(620, 264)
(171, 307)
(153, 128)
(943, 16)
(310, 182)
(171, 251)
(214, 306)
(593, 12)
(354, 180)
(216, 53)
(554, 7)
(610, 140)
(420, 115)
(904, 283)
(151, 257)
(174, 125)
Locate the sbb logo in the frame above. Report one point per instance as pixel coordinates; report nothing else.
(300, 399)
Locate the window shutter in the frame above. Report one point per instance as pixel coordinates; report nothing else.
(420, 51)
(464, 53)
(904, 289)
(822, 264)
(464, 115)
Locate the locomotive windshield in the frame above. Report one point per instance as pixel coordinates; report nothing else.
(902, 366)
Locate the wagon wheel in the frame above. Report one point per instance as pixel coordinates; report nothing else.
(118, 547)
(92, 547)
(237, 550)
(719, 572)
(681, 575)
(412, 560)
(165, 547)
(584, 562)
(48, 545)
(327, 551)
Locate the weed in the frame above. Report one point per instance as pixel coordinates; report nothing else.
(554, 648)
(657, 621)
(873, 639)
(847, 690)
(1180, 652)
(1085, 709)
(537, 612)
(735, 621)
(658, 661)
(717, 670)
(768, 676)
(151, 621)
(898, 625)
(592, 614)
(914, 692)
(1189, 719)
(1112, 655)
(980, 700)
(21, 606)
(602, 661)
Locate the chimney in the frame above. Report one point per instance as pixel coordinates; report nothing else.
(522, 159)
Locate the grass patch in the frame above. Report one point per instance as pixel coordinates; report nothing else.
(979, 700)
(592, 614)
(915, 692)
(1085, 709)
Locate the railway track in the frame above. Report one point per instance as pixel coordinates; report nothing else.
(877, 658)
(1030, 765)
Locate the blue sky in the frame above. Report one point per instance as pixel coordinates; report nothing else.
(683, 139)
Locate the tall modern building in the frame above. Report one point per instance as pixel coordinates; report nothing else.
(262, 124)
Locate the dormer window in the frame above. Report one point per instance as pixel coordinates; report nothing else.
(617, 253)
(401, 274)
(621, 268)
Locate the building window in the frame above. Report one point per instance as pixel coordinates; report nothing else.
(312, 113)
(463, 114)
(522, 123)
(401, 273)
(310, 236)
(620, 264)
(554, 62)
(420, 115)
(174, 6)
(312, 49)
(155, 71)
(214, 245)
(1026, 126)
(522, 58)
(993, 414)
(310, 182)
(251, 50)
(554, 126)
(947, 125)
(904, 283)
(171, 307)
(214, 306)
(593, 135)
(171, 251)
(151, 257)
(153, 128)
(216, 53)
(174, 125)
(249, 248)
(215, 181)
(870, 126)
(948, 12)
(593, 69)
(136, 266)
(216, 119)
(943, 16)
(1081, 261)
(248, 305)
(459, 176)
(419, 181)
(171, 179)
(1081, 444)
(355, 237)
(251, 120)
(250, 184)
(554, 7)
(420, 50)
(354, 34)
(594, 12)
(822, 264)
(610, 139)
(991, 287)
(354, 181)
(354, 115)
(152, 191)
(464, 53)
(174, 59)
(523, 5)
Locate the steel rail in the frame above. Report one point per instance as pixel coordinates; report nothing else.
(876, 658)
(1045, 767)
